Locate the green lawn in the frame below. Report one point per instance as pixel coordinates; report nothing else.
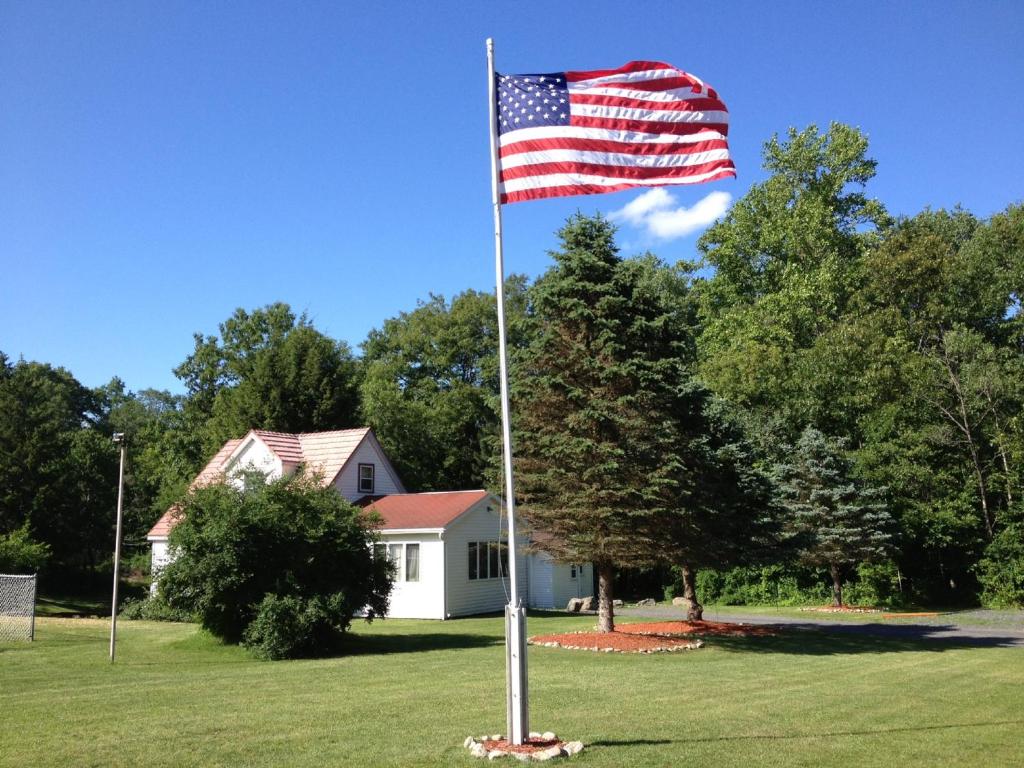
(411, 691)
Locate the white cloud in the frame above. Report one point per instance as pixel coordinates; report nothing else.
(656, 212)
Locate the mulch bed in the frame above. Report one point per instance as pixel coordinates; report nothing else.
(700, 628)
(651, 637)
(528, 747)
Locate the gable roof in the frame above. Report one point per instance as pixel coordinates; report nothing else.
(405, 511)
(325, 453)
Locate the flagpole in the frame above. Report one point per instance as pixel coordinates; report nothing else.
(518, 711)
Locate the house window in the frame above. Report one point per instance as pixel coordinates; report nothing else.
(412, 562)
(366, 478)
(405, 558)
(487, 560)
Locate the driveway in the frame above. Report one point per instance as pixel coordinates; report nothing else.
(993, 629)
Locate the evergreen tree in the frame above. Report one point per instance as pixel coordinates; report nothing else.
(595, 465)
(833, 521)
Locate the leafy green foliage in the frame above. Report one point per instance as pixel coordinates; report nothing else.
(430, 386)
(290, 539)
(152, 608)
(20, 554)
(267, 370)
(1001, 570)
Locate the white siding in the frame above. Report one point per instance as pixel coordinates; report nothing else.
(423, 599)
(564, 587)
(540, 580)
(466, 597)
(368, 452)
(254, 455)
(552, 584)
(160, 556)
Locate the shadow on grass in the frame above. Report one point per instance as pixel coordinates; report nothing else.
(793, 736)
(368, 645)
(814, 640)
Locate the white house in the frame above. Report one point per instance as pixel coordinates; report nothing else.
(447, 546)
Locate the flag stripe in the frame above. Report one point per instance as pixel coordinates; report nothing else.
(648, 126)
(648, 115)
(662, 95)
(565, 187)
(571, 132)
(644, 124)
(521, 164)
(512, 175)
(600, 145)
(701, 104)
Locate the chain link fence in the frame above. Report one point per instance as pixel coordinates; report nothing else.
(17, 608)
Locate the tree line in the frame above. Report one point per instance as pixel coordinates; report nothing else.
(836, 398)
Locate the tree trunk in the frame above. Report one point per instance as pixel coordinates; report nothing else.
(605, 609)
(837, 586)
(694, 610)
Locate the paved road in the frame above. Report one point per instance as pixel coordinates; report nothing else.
(1009, 632)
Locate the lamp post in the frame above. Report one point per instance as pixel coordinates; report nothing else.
(119, 438)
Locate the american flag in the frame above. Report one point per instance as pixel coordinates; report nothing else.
(579, 133)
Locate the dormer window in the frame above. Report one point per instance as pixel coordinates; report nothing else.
(366, 478)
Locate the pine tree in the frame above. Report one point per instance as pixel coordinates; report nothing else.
(833, 521)
(594, 460)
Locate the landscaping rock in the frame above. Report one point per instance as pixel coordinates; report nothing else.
(573, 747)
(574, 605)
(548, 736)
(647, 602)
(478, 750)
(616, 603)
(547, 754)
(589, 603)
(679, 601)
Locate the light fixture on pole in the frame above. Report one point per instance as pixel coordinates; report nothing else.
(119, 438)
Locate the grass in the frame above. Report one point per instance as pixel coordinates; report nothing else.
(409, 692)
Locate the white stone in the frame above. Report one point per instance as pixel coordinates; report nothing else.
(535, 735)
(548, 736)
(572, 747)
(547, 754)
(478, 750)
(494, 754)
(469, 742)
(496, 737)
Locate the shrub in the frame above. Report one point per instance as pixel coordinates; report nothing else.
(288, 553)
(153, 608)
(290, 627)
(1001, 570)
(877, 585)
(19, 553)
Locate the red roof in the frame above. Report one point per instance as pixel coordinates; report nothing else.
(323, 452)
(422, 510)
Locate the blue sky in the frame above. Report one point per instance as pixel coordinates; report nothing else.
(164, 163)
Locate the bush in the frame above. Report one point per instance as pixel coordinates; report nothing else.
(877, 585)
(1001, 570)
(153, 608)
(290, 556)
(766, 585)
(290, 627)
(20, 554)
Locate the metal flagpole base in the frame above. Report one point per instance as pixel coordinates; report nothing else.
(518, 725)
